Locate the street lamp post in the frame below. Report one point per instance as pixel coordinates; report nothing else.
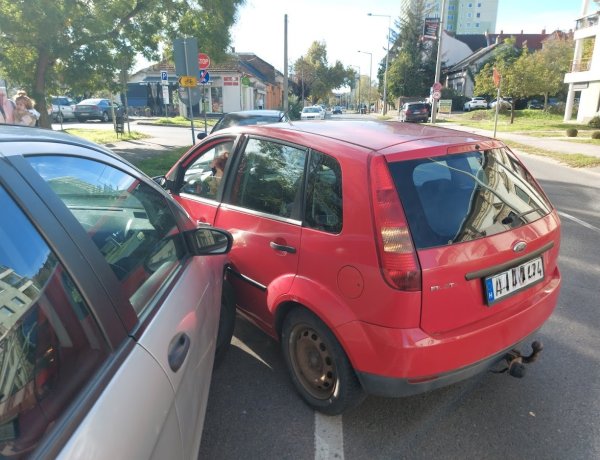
(387, 54)
(370, 75)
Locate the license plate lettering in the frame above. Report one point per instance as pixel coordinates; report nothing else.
(514, 279)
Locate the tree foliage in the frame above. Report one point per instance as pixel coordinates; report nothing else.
(314, 79)
(411, 68)
(526, 74)
(82, 45)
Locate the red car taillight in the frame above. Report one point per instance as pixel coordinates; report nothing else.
(397, 256)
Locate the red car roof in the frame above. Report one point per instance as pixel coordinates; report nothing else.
(372, 134)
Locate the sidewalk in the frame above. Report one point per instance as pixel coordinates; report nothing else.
(546, 143)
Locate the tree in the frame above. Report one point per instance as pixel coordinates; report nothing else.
(314, 79)
(84, 45)
(411, 68)
(549, 66)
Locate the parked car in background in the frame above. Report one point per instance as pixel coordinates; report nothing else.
(415, 111)
(111, 305)
(505, 103)
(247, 117)
(534, 104)
(337, 110)
(313, 112)
(97, 109)
(62, 108)
(394, 258)
(475, 103)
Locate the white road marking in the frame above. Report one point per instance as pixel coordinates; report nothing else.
(579, 221)
(329, 437)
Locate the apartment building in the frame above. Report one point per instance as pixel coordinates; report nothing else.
(466, 16)
(584, 77)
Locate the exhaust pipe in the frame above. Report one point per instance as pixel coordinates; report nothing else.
(515, 360)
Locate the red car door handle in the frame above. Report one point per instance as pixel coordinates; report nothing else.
(178, 350)
(281, 247)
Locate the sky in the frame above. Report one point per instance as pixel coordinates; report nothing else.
(346, 28)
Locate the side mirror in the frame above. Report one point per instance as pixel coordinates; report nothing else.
(163, 182)
(206, 241)
(201, 136)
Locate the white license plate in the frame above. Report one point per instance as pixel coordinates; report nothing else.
(514, 279)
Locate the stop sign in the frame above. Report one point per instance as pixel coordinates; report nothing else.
(203, 61)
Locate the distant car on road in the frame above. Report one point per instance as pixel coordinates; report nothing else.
(475, 103)
(415, 111)
(337, 110)
(247, 117)
(97, 109)
(313, 112)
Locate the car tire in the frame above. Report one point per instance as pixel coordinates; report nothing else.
(81, 120)
(226, 323)
(318, 366)
(105, 117)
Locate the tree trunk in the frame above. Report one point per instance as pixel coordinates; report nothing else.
(39, 88)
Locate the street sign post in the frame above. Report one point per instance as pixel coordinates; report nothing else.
(437, 86)
(185, 53)
(436, 95)
(164, 76)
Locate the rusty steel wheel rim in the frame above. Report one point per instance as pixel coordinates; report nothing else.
(312, 362)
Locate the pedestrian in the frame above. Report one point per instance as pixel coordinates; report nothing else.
(25, 114)
(6, 107)
(32, 110)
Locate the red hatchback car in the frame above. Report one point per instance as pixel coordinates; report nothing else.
(388, 258)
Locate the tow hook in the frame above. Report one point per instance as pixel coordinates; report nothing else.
(515, 361)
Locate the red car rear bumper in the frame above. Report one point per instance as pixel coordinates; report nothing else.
(400, 362)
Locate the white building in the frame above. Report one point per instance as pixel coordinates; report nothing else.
(466, 16)
(585, 68)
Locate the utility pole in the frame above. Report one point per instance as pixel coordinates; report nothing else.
(438, 65)
(387, 54)
(285, 66)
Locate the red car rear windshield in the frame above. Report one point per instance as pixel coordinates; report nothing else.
(461, 197)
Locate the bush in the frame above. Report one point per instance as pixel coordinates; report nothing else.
(596, 135)
(557, 109)
(594, 122)
(572, 132)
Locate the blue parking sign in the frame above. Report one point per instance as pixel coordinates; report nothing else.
(164, 76)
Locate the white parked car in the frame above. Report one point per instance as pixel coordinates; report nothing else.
(63, 108)
(112, 304)
(475, 103)
(314, 112)
(505, 103)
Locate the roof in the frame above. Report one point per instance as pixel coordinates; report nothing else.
(478, 41)
(472, 59)
(372, 135)
(14, 133)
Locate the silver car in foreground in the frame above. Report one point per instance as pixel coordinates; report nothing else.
(112, 304)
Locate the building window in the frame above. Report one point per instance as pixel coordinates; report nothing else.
(449, 27)
(476, 24)
(450, 16)
(18, 302)
(6, 311)
(451, 8)
(469, 5)
(479, 5)
(469, 15)
(478, 15)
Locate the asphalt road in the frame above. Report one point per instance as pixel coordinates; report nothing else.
(552, 413)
